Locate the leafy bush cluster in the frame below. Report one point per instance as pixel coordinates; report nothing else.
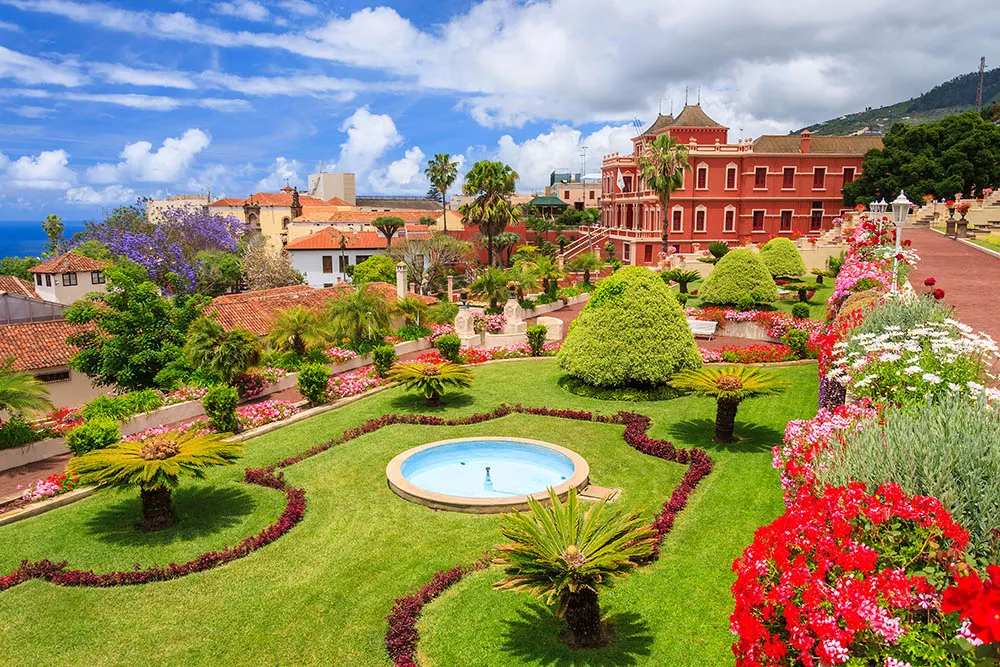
(536, 338)
(782, 258)
(96, 433)
(123, 407)
(449, 346)
(383, 357)
(220, 404)
(632, 332)
(16, 432)
(313, 380)
(739, 277)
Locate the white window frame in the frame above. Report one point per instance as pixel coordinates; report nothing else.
(733, 168)
(701, 167)
(795, 174)
(731, 229)
(763, 228)
(825, 174)
(673, 229)
(704, 227)
(792, 219)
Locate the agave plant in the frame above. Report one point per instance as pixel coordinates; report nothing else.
(155, 465)
(729, 386)
(431, 379)
(564, 555)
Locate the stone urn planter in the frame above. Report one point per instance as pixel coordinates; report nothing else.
(949, 228)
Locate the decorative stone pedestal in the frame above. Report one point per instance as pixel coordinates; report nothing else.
(464, 328)
(514, 317)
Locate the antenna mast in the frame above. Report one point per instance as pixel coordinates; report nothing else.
(979, 88)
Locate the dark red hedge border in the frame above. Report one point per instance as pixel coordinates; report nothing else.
(402, 636)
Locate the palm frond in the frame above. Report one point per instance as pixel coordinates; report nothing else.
(729, 382)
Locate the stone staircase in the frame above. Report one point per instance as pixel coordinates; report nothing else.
(595, 238)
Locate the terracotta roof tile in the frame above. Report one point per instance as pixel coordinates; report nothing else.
(268, 199)
(328, 238)
(15, 285)
(68, 262)
(329, 214)
(659, 124)
(36, 345)
(693, 116)
(792, 143)
(254, 311)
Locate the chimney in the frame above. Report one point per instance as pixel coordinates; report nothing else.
(401, 280)
(804, 143)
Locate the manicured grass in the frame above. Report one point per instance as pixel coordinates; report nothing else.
(817, 304)
(320, 594)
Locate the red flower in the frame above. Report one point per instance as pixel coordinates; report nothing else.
(899, 256)
(907, 243)
(929, 282)
(939, 294)
(977, 601)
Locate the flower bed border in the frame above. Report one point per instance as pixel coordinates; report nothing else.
(402, 636)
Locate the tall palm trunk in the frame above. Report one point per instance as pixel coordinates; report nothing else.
(489, 250)
(157, 513)
(665, 205)
(444, 212)
(583, 616)
(725, 419)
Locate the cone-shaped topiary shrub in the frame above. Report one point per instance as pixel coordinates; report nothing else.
(782, 258)
(739, 273)
(632, 332)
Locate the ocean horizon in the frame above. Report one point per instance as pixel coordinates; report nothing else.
(25, 238)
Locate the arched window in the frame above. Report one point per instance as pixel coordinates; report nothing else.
(729, 219)
(254, 221)
(702, 182)
(284, 223)
(731, 173)
(700, 213)
(677, 219)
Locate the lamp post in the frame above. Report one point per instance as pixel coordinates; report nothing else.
(900, 210)
(878, 209)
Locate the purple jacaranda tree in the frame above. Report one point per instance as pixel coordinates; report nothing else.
(168, 245)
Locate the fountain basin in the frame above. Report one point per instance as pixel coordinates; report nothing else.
(451, 474)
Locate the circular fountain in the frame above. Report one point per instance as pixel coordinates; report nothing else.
(485, 475)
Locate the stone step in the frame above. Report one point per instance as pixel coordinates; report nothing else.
(595, 493)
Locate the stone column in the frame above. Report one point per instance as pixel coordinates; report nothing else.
(451, 288)
(401, 280)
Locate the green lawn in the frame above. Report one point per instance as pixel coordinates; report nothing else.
(817, 304)
(320, 594)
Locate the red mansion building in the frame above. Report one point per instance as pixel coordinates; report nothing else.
(774, 185)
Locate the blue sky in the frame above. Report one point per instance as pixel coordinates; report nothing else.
(103, 102)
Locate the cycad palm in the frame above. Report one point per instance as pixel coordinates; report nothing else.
(298, 329)
(413, 310)
(431, 379)
(729, 385)
(225, 354)
(662, 166)
(682, 277)
(564, 554)
(21, 392)
(491, 285)
(441, 172)
(155, 465)
(361, 315)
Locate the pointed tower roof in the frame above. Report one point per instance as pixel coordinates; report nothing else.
(693, 116)
(659, 124)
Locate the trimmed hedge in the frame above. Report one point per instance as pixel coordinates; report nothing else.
(96, 433)
(782, 258)
(631, 332)
(740, 273)
(375, 268)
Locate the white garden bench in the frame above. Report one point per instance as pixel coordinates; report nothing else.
(703, 327)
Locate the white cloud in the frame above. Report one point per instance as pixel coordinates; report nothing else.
(13, 27)
(134, 100)
(167, 164)
(114, 73)
(28, 111)
(369, 136)
(403, 175)
(283, 172)
(300, 7)
(244, 9)
(111, 195)
(561, 148)
(29, 69)
(49, 170)
(312, 85)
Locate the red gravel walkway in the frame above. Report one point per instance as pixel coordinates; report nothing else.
(970, 278)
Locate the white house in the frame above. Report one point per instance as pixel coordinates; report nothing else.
(322, 258)
(68, 277)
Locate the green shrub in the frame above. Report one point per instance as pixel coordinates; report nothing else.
(746, 302)
(121, 408)
(383, 357)
(536, 338)
(413, 332)
(682, 298)
(16, 432)
(93, 434)
(797, 341)
(449, 346)
(220, 407)
(945, 448)
(377, 268)
(801, 311)
(741, 273)
(718, 249)
(631, 332)
(313, 380)
(782, 258)
(442, 313)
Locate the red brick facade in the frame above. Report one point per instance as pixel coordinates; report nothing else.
(775, 185)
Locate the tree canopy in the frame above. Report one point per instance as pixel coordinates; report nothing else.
(958, 153)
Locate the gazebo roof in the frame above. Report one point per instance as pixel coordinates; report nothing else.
(548, 200)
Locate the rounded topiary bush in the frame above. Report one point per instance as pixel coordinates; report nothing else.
(782, 258)
(631, 332)
(740, 273)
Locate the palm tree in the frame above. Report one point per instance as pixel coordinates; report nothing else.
(525, 274)
(729, 386)
(388, 225)
(587, 262)
(549, 273)
(226, 354)
(361, 315)
(442, 172)
(505, 241)
(298, 329)
(564, 554)
(21, 392)
(155, 465)
(682, 277)
(491, 284)
(413, 310)
(490, 184)
(431, 379)
(662, 165)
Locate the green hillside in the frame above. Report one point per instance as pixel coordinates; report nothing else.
(948, 98)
